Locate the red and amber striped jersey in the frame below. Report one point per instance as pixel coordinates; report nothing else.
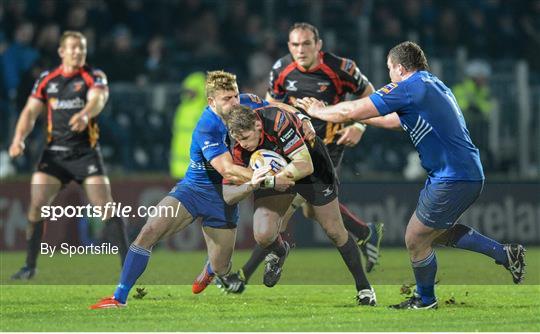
(330, 81)
(281, 133)
(64, 95)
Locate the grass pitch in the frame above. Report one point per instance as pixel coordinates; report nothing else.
(316, 294)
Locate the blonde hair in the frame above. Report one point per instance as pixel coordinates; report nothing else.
(219, 80)
(70, 33)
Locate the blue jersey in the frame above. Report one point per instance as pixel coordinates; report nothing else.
(429, 113)
(209, 140)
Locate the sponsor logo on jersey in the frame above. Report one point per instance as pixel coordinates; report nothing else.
(52, 88)
(348, 66)
(328, 191)
(92, 169)
(387, 89)
(287, 135)
(100, 77)
(76, 103)
(291, 85)
(323, 86)
(208, 144)
(280, 122)
(291, 143)
(77, 86)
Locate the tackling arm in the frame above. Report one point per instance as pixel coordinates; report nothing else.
(356, 110)
(225, 166)
(390, 121)
(25, 124)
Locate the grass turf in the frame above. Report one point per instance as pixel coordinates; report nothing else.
(315, 294)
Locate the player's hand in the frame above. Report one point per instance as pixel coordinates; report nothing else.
(350, 136)
(311, 105)
(78, 122)
(283, 181)
(309, 131)
(258, 176)
(16, 149)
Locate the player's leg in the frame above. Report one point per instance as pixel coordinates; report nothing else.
(258, 254)
(98, 191)
(43, 191)
(440, 205)
(418, 239)
(220, 244)
(155, 229)
(266, 226)
(329, 217)
(368, 235)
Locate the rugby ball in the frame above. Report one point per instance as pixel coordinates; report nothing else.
(262, 157)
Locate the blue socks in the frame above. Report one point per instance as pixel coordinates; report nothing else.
(209, 269)
(134, 265)
(424, 272)
(465, 237)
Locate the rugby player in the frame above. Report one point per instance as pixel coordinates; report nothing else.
(425, 108)
(198, 196)
(71, 96)
(275, 129)
(307, 71)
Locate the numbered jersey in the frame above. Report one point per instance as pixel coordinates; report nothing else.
(429, 113)
(65, 95)
(330, 81)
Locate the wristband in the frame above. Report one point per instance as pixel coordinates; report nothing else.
(269, 182)
(359, 126)
(302, 117)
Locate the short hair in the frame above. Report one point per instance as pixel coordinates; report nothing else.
(240, 119)
(306, 26)
(219, 80)
(409, 55)
(71, 33)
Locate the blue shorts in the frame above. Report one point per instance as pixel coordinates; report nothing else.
(441, 203)
(206, 201)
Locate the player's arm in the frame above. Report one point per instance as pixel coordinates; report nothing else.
(360, 86)
(235, 193)
(348, 111)
(31, 111)
(390, 122)
(225, 166)
(95, 102)
(300, 166)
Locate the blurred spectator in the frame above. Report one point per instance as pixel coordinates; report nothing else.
(530, 23)
(121, 62)
(188, 112)
(448, 33)
(47, 43)
(474, 98)
(18, 57)
(155, 66)
(473, 95)
(76, 18)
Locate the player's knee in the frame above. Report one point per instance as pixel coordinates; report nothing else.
(264, 237)
(149, 235)
(34, 212)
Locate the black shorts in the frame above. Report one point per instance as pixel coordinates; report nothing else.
(336, 153)
(319, 188)
(75, 164)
